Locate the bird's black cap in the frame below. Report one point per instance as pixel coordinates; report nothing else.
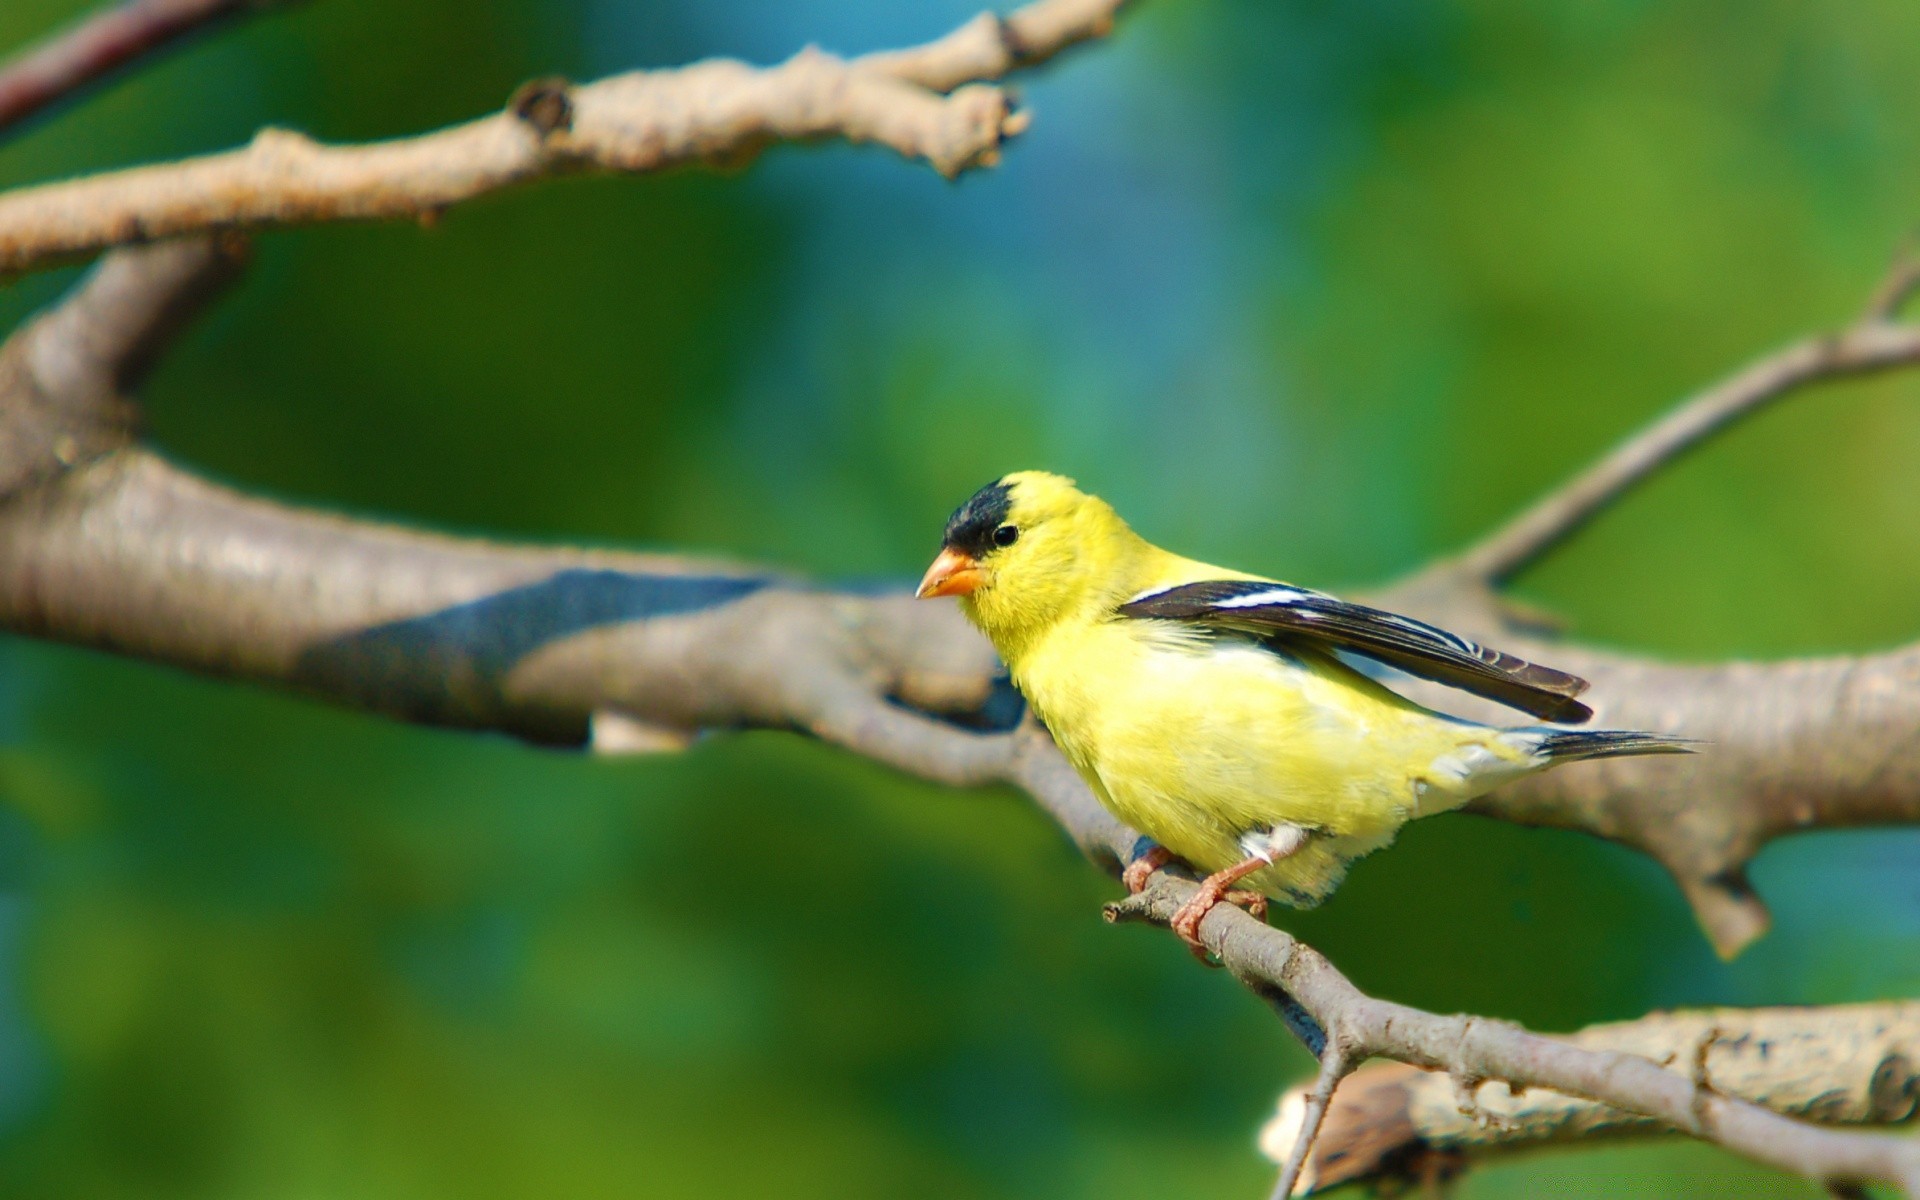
(970, 529)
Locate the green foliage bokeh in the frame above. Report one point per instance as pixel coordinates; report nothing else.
(1316, 288)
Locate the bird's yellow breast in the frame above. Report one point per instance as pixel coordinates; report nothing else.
(1197, 741)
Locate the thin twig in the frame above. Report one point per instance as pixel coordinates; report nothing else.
(992, 46)
(1335, 1066)
(100, 44)
(719, 111)
(1872, 344)
(1901, 280)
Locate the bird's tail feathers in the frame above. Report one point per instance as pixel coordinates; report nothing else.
(1572, 745)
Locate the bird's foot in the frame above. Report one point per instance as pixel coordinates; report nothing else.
(1214, 889)
(1141, 869)
(1253, 902)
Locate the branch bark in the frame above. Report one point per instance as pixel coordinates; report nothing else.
(103, 43)
(120, 550)
(1473, 1050)
(67, 378)
(1804, 744)
(1819, 743)
(1854, 1064)
(924, 104)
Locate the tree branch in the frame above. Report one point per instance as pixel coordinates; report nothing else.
(1819, 743)
(992, 46)
(134, 555)
(66, 377)
(1309, 1113)
(100, 44)
(121, 550)
(719, 111)
(1812, 743)
(1849, 1064)
(1874, 343)
(1473, 1050)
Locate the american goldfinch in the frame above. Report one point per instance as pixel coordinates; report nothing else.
(1211, 709)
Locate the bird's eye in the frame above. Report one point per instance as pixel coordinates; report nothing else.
(1006, 535)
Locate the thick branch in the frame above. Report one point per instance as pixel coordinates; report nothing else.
(128, 553)
(715, 111)
(134, 555)
(99, 558)
(1824, 743)
(104, 544)
(1821, 743)
(1851, 1064)
(101, 44)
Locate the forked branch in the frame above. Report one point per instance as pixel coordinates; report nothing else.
(1814, 743)
(115, 548)
(1473, 1051)
(925, 104)
(1847, 1064)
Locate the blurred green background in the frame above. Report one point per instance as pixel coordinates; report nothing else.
(1316, 287)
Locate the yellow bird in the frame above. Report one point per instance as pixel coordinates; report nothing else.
(1211, 709)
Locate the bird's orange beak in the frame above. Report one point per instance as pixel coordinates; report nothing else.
(952, 574)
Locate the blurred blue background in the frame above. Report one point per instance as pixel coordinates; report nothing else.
(1317, 288)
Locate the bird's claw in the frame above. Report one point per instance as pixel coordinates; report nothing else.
(1253, 902)
(1186, 919)
(1141, 869)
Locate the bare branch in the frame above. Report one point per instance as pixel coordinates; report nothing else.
(103, 43)
(129, 553)
(66, 377)
(1873, 343)
(1307, 1116)
(1824, 743)
(1272, 962)
(1820, 743)
(992, 46)
(717, 111)
(1897, 287)
(106, 544)
(134, 555)
(1849, 1064)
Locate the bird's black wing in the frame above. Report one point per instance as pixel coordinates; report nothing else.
(1282, 611)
